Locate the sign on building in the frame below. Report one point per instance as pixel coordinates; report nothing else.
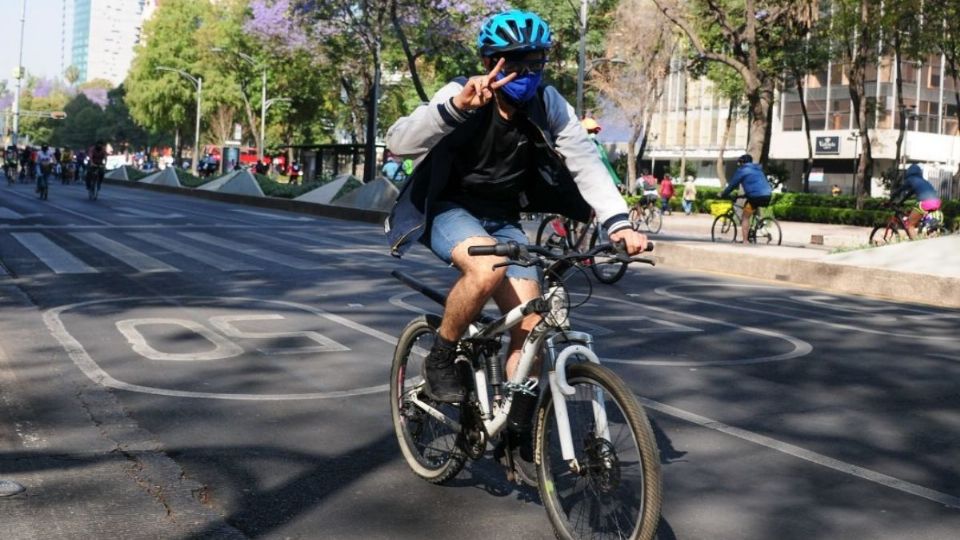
(828, 146)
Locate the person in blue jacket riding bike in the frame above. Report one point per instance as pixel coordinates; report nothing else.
(756, 189)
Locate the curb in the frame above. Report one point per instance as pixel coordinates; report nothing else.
(289, 205)
(876, 282)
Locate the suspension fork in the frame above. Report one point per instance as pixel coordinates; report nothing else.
(577, 343)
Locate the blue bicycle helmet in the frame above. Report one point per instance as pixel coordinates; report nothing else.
(513, 31)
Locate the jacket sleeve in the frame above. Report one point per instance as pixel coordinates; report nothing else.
(581, 158)
(414, 135)
(734, 182)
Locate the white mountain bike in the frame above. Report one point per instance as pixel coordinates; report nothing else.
(597, 463)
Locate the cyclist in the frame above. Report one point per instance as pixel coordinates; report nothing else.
(914, 185)
(593, 128)
(647, 185)
(756, 190)
(97, 165)
(487, 147)
(46, 160)
(10, 158)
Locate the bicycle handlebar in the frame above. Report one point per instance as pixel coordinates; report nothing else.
(521, 253)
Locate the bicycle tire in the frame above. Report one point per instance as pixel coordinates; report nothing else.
(882, 235)
(654, 219)
(410, 422)
(605, 271)
(724, 229)
(635, 216)
(548, 238)
(767, 231)
(637, 504)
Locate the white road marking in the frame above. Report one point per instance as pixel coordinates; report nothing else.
(223, 347)
(253, 251)
(273, 216)
(129, 256)
(60, 208)
(6, 213)
(224, 323)
(149, 215)
(197, 254)
(95, 373)
(316, 250)
(666, 291)
(804, 454)
(56, 258)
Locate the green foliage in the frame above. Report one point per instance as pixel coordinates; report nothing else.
(674, 170)
(272, 188)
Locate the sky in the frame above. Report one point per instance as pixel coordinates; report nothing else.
(41, 39)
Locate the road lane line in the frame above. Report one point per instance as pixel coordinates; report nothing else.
(804, 454)
(273, 216)
(197, 254)
(61, 208)
(56, 258)
(129, 256)
(666, 291)
(252, 251)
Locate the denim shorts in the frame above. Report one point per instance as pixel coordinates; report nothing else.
(453, 224)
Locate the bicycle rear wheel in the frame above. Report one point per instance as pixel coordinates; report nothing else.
(724, 229)
(616, 491)
(882, 235)
(605, 268)
(653, 218)
(431, 448)
(767, 232)
(551, 234)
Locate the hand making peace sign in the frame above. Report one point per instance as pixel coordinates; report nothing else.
(480, 90)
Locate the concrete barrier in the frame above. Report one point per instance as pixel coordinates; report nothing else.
(166, 177)
(377, 195)
(332, 190)
(120, 173)
(237, 182)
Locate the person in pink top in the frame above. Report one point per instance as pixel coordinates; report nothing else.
(666, 192)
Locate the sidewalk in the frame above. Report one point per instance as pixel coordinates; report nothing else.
(926, 271)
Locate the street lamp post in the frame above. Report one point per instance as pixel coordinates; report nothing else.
(198, 81)
(263, 95)
(15, 135)
(581, 63)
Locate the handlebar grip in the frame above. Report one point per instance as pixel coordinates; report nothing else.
(501, 250)
(649, 246)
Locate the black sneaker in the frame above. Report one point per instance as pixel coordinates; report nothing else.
(515, 453)
(442, 376)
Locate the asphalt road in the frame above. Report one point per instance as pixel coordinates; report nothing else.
(237, 359)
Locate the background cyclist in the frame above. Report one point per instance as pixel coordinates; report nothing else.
(46, 159)
(914, 185)
(756, 190)
(97, 166)
(593, 128)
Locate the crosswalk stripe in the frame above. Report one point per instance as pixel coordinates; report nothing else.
(265, 254)
(126, 255)
(205, 257)
(56, 258)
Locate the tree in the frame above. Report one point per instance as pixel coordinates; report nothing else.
(71, 75)
(640, 47)
(943, 31)
(747, 36)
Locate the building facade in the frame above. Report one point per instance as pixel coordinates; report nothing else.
(104, 34)
(691, 120)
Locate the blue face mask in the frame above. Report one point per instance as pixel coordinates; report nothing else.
(522, 88)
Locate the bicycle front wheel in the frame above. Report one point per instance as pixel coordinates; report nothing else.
(724, 229)
(882, 235)
(614, 491)
(767, 232)
(606, 269)
(431, 447)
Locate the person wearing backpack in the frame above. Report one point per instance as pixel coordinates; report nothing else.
(487, 148)
(756, 190)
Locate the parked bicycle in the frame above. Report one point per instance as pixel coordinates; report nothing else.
(598, 467)
(647, 212)
(894, 229)
(563, 235)
(763, 230)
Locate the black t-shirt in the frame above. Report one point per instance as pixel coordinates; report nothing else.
(488, 175)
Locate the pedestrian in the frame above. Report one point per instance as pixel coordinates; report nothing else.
(392, 170)
(689, 195)
(835, 190)
(666, 192)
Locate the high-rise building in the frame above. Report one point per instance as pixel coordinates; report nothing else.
(104, 34)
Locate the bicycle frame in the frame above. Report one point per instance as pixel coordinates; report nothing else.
(568, 343)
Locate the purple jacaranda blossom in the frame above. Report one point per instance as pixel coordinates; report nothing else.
(43, 88)
(6, 101)
(277, 22)
(96, 95)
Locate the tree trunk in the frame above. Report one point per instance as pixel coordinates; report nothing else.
(901, 107)
(768, 132)
(370, 143)
(759, 102)
(721, 170)
(856, 74)
(683, 135)
(808, 165)
(411, 58)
